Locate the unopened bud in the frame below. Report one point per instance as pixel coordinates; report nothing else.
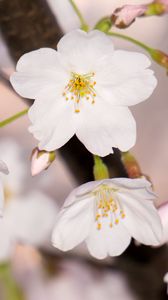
(104, 24)
(160, 57)
(41, 160)
(124, 16)
(131, 165)
(157, 7)
(100, 169)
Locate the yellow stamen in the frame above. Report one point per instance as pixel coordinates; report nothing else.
(98, 226)
(80, 86)
(108, 206)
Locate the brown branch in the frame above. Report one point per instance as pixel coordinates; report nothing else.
(27, 25)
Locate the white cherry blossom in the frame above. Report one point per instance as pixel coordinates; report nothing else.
(27, 219)
(106, 214)
(84, 88)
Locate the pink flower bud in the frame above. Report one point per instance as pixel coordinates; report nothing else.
(126, 15)
(41, 160)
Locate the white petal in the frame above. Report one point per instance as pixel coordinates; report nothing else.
(82, 192)
(39, 72)
(104, 126)
(87, 187)
(142, 219)
(73, 224)
(163, 213)
(137, 183)
(54, 123)
(108, 241)
(31, 219)
(42, 59)
(124, 78)
(139, 188)
(83, 51)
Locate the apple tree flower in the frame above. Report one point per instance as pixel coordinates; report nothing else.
(84, 88)
(106, 214)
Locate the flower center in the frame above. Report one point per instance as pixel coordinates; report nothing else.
(80, 87)
(108, 206)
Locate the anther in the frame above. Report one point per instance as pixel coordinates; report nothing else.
(99, 226)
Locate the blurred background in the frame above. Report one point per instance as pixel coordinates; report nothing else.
(30, 267)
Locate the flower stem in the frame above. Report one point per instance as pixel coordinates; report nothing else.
(158, 56)
(84, 25)
(11, 289)
(130, 39)
(13, 118)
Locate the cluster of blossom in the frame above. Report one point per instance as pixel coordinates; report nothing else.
(85, 88)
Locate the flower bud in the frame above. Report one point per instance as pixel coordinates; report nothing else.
(160, 57)
(104, 24)
(126, 15)
(131, 165)
(157, 7)
(100, 169)
(41, 160)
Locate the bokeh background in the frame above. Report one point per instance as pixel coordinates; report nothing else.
(46, 273)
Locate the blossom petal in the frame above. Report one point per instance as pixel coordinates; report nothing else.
(32, 218)
(38, 72)
(129, 183)
(139, 188)
(54, 123)
(115, 128)
(108, 241)
(91, 48)
(142, 219)
(163, 213)
(73, 224)
(124, 79)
